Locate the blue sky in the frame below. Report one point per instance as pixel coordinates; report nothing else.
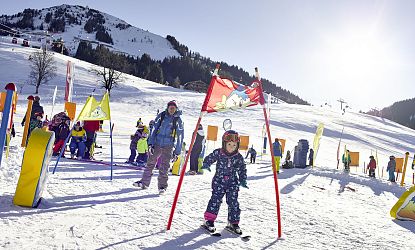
(361, 51)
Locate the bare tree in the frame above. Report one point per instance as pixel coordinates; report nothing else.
(111, 71)
(42, 65)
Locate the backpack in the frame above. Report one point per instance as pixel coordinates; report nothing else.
(175, 118)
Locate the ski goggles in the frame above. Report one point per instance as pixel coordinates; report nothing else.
(231, 137)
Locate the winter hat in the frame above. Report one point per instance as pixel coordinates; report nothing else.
(371, 157)
(37, 99)
(78, 123)
(172, 103)
(200, 127)
(391, 157)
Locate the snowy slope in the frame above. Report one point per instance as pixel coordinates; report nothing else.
(82, 209)
(131, 40)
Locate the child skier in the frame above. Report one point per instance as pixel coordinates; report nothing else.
(142, 148)
(372, 166)
(252, 153)
(134, 140)
(61, 131)
(391, 168)
(230, 174)
(78, 139)
(35, 123)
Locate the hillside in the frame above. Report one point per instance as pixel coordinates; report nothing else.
(402, 112)
(83, 31)
(77, 23)
(322, 208)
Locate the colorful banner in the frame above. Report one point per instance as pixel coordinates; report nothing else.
(96, 111)
(404, 209)
(316, 143)
(224, 94)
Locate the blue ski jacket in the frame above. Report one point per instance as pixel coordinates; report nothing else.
(165, 135)
(276, 147)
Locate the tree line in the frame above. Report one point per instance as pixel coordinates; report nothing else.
(402, 112)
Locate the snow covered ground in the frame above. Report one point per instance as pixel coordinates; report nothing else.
(322, 208)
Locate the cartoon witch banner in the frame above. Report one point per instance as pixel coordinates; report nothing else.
(225, 94)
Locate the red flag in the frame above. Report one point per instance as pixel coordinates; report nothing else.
(224, 94)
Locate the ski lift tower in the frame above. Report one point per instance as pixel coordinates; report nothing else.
(341, 103)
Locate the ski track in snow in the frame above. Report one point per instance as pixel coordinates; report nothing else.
(83, 209)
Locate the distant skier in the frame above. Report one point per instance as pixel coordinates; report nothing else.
(166, 142)
(391, 168)
(372, 166)
(230, 174)
(288, 163)
(276, 147)
(252, 153)
(197, 149)
(346, 161)
(311, 157)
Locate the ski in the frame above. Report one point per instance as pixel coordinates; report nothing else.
(212, 233)
(243, 236)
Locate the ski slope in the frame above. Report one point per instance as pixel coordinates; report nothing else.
(321, 208)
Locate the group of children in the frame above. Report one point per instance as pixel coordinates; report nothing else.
(138, 144)
(371, 166)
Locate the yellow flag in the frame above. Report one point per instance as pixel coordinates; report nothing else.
(96, 111)
(316, 143)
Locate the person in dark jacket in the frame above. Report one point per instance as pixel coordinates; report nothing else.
(37, 123)
(61, 133)
(230, 174)
(197, 149)
(36, 109)
(311, 157)
(391, 168)
(372, 166)
(91, 128)
(252, 153)
(165, 141)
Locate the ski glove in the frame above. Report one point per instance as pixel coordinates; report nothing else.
(243, 184)
(207, 167)
(151, 149)
(174, 157)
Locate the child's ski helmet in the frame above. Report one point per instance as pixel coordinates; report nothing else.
(230, 135)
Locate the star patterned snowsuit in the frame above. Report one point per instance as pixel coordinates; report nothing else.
(230, 172)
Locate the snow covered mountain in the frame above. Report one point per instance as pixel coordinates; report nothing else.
(76, 23)
(321, 208)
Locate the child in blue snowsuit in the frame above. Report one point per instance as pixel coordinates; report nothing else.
(230, 174)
